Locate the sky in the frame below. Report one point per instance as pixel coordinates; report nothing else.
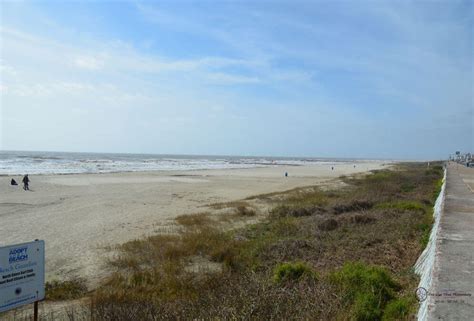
(365, 79)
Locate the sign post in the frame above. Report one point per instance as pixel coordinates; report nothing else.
(35, 311)
(22, 275)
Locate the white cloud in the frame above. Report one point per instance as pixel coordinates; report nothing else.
(7, 70)
(230, 79)
(112, 56)
(384, 72)
(88, 62)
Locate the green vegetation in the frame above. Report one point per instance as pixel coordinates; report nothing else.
(399, 309)
(291, 272)
(366, 289)
(329, 255)
(403, 206)
(437, 189)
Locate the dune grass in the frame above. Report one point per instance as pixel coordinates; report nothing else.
(65, 290)
(324, 255)
(285, 272)
(193, 220)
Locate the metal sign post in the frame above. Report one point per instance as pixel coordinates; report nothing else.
(35, 311)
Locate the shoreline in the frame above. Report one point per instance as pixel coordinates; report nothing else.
(162, 171)
(18, 163)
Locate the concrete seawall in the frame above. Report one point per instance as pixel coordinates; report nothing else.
(424, 266)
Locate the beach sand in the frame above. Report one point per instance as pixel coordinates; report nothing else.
(81, 216)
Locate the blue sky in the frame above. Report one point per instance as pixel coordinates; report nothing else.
(371, 79)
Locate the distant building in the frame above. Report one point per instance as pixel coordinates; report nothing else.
(466, 159)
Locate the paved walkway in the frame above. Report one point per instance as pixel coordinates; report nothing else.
(453, 286)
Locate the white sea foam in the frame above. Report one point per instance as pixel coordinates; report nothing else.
(18, 163)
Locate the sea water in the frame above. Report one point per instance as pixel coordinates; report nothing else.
(26, 162)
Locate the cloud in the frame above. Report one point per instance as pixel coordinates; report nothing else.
(118, 56)
(105, 60)
(229, 79)
(88, 62)
(376, 73)
(7, 70)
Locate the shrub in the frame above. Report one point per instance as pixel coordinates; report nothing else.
(226, 253)
(299, 212)
(402, 206)
(287, 211)
(366, 307)
(356, 205)
(291, 272)
(284, 227)
(363, 219)
(398, 309)
(328, 225)
(366, 289)
(245, 211)
(407, 187)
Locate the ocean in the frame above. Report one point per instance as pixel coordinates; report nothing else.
(26, 162)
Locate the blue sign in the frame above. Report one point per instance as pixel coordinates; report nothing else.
(21, 274)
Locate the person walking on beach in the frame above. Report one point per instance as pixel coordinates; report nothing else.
(26, 182)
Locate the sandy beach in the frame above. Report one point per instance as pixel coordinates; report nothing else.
(79, 216)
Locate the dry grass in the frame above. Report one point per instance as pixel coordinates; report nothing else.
(65, 290)
(245, 211)
(377, 222)
(234, 204)
(194, 220)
